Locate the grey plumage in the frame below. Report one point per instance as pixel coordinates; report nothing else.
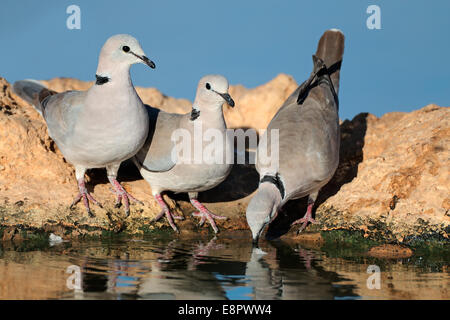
(309, 138)
(100, 127)
(164, 171)
(30, 90)
(156, 155)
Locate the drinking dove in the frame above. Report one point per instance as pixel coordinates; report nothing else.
(309, 138)
(100, 127)
(164, 169)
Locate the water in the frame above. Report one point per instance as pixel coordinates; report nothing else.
(222, 268)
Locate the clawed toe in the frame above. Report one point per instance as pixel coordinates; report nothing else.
(165, 211)
(169, 217)
(122, 196)
(83, 194)
(202, 216)
(206, 215)
(304, 221)
(306, 218)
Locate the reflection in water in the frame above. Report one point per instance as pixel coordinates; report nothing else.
(206, 269)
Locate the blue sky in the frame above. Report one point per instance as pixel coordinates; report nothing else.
(401, 67)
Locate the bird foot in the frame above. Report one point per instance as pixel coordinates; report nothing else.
(170, 216)
(84, 194)
(123, 195)
(205, 214)
(307, 218)
(165, 211)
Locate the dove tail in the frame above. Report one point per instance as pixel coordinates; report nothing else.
(33, 92)
(331, 50)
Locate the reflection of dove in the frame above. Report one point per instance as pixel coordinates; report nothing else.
(265, 281)
(201, 250)
(171, 278)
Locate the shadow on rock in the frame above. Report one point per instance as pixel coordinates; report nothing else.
(127, 173)
(242, 181)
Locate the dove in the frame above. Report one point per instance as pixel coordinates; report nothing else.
(162, 284)
(100, 127)
(308, 140)
(159, 164)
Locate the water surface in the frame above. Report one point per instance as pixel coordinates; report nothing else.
(213, 268)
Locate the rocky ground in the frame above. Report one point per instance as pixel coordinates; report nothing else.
(392, 182)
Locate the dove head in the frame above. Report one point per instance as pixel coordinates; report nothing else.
(212, 91)
(120, 52)
(262, 209)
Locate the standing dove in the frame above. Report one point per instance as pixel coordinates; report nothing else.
(159, 164)
(100, 127)
(309, 138)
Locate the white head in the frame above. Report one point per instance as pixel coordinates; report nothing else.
(263, 208)
(212, 90)
(119, 52)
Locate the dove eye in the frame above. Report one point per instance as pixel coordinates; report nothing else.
(208, 86)
(126, 48)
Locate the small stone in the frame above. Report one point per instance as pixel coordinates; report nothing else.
(390, 251)
(54, 239)
(8, 234)
(19, 203)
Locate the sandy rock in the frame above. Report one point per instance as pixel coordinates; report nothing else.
(393, 179)
(308, 240)
(256, 107)
(390, 251)
(30, 160)
(8, 234)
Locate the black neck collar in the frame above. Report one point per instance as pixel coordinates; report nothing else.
(195, 114)
(101, 80)
(276, 181)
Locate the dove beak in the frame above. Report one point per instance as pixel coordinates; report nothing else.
(146, 60)
(256, 236)
(227, 98)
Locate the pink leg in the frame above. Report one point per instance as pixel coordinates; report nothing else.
(122, 194)
(83, 194)
(205, 215)
(307, 218)
(165, 211)
(200, 251)
(307, 257)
